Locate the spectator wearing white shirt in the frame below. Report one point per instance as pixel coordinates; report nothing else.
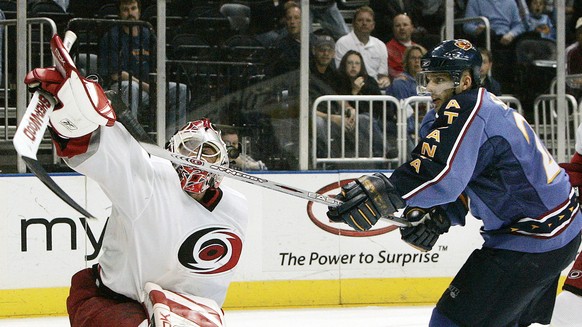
(372, 49)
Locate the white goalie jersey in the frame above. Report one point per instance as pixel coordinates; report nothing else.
(156, 232)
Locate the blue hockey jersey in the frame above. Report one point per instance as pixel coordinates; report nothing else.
(479, 147)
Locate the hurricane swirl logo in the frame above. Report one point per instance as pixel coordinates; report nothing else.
(210, 251)
(574, 274)
(319, 218)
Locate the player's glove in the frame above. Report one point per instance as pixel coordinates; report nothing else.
(431, 222)
(366, 200)
(82, 106)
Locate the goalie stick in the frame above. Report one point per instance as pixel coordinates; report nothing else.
(30, 132)
(134, 128)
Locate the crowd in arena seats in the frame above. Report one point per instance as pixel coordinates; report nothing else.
(218, 49)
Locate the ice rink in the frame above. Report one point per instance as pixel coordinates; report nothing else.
(326, 317)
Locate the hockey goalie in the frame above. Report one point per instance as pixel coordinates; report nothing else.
(174, 235)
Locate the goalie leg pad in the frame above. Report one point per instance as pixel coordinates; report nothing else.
(167, 308)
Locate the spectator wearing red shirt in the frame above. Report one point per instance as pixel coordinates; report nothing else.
(402, 28)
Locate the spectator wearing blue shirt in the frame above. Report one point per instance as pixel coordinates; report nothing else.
(126, 55)
(506, 25)
(504, 19)
(538, 21)
(328, 15)
(287, 57)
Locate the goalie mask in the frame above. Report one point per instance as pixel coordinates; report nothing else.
(452, 57)
(198, 139)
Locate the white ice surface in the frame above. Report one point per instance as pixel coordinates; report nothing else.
(328, 317)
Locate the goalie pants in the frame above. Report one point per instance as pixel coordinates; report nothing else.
(91, 306)
(499, 288)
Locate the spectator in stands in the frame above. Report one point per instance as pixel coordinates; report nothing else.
(268, 21)
(372, 49)
(386, 10)
(539, 22)
(404, 86)
(323, 74)
(354, 80)
(288, 46)
(396, 47)
(504, 19)
(487, 81)
(432, 16)
(506, 25)
(323, 80)
(574, 62)
(239, 159)
(354, 77)
(125, 55)
(328, 15)
(573, 12)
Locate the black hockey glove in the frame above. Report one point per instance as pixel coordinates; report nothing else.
(366, 200)
(432, 223)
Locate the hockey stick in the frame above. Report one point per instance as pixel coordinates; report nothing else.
(134, 128)
(30, 132)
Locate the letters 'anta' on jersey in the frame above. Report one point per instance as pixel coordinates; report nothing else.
(480, 147)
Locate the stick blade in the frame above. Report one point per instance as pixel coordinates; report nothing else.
(31, 128)
(37, 169)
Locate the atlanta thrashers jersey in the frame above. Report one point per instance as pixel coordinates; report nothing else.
(156, 232)
(479, 147)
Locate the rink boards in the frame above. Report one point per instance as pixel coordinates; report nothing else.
(293, 255)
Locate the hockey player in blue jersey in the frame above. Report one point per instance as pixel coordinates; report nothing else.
(477, 152)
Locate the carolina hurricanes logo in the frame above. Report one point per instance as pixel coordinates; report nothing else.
(463, 44)
(574, 274)
(319, 218)
(210, 251)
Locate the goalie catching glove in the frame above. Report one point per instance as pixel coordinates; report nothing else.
(366, 200)
(82, 105)
(431, 222)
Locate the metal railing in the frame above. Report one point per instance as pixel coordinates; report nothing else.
(411, 110)
(409, 135)
(378, 106)
(512, 102)
(38, 34)
(546, 123)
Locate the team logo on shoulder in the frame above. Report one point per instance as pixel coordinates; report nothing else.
(463, 44)
(210, 251)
